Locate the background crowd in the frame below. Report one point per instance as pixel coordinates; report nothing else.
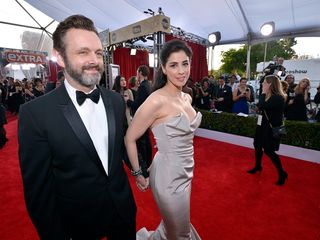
(229, 93)
(15, 92)
(234, 94)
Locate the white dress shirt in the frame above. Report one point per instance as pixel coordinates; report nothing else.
(94, 117)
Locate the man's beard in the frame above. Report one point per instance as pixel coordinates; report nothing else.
(81, 76)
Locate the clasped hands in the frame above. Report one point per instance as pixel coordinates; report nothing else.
(142, 182)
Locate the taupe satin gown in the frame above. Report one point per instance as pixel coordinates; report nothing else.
(171, 173)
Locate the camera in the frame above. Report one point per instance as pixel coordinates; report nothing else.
(275, 67)
(197, 84)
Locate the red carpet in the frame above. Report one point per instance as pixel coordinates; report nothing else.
(227, 203)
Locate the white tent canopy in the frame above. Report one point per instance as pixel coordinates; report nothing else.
(237, 20)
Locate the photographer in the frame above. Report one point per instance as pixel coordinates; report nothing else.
(317, 101)
(275, 68)
(202, 100)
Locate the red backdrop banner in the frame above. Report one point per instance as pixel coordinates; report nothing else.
(129, 63)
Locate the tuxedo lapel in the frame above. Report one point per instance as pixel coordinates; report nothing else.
(73, 118)
(111, 125)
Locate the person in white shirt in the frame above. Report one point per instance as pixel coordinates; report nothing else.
(71, 147)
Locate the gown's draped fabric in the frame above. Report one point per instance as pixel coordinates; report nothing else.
(171, 173)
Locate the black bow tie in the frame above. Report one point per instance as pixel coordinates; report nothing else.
(94, 96)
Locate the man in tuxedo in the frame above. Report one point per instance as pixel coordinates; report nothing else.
(223, 96)
(143, 143)
(71, 146)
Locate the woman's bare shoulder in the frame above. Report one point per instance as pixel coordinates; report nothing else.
(187, 97)
(156, 99)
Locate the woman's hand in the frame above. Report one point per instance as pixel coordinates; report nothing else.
(307, 89)
(142, 183)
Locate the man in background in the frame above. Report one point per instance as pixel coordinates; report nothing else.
(144, 143)
(223, 96)
(60, 78)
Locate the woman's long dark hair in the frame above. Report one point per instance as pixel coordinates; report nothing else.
(168, 48)
(116, 85)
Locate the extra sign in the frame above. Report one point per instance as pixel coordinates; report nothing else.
(25, 57)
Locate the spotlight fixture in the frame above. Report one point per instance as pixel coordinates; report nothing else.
(133, 51)
(160, 12)
(267, 29)
(180, 33)
(214, 37)
(150, 11)
(150, 38)
(143, 39)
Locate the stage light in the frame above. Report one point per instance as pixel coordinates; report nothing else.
(267, 29)
(133, 51)
(25, 66)
(150, 11)
(214, 37)
(15, 67)
(143, 39)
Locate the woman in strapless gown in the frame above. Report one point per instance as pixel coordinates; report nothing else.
(168, 112)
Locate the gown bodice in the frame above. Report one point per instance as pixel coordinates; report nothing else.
(176, 134)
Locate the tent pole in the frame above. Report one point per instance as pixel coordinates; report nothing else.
(265, 54)
(158, 43)
(248, 56)
(248, 62)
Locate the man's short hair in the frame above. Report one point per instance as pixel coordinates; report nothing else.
(71, 22)
(60, 74)
(144, 70)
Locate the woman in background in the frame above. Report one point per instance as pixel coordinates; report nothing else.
(28, 91)
(271, 104)
(241, 96)
(134, 85)
(296, 108)
(285, 87)
(120, 86)
(17, 97)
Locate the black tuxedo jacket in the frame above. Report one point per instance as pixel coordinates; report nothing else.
(226, 93)
(142, 94)
(65, 185)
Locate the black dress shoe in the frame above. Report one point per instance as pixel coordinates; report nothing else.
(282, 178)
(254, 170)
